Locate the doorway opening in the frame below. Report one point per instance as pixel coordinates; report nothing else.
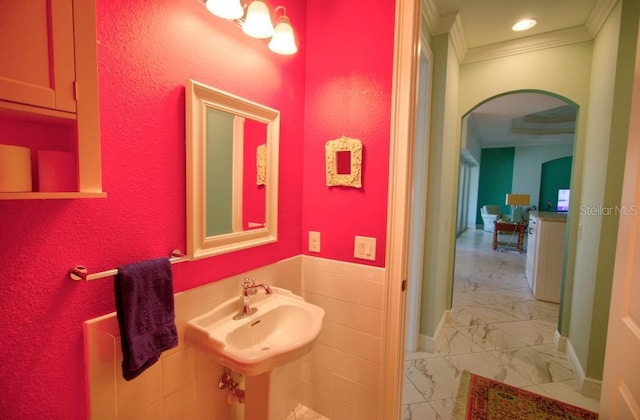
(521, 134)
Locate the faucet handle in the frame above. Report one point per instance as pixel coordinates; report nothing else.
(248, 286)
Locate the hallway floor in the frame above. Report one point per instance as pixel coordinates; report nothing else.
(498, 330)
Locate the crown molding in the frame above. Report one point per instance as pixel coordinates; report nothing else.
(528, 44)
(430, 14)
(458, 38)
(449, 23)
(599, 15)
(452, 24)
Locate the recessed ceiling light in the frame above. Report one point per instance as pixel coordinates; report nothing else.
(524, 25)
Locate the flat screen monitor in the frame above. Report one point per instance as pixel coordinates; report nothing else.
(563, 201)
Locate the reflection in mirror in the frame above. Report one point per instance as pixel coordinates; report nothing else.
(232, 172)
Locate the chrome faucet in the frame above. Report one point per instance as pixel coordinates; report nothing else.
(250, 288)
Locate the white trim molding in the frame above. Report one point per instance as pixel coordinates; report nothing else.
(430, 344)
(560, 341)
(528, 44)
(403, 122)
(588, 387)
(599, 15)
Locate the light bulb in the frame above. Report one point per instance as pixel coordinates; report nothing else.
(283, 41)
(258, 21)
(524, 25)
(226, 9)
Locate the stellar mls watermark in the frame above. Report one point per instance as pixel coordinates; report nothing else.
(602, 210)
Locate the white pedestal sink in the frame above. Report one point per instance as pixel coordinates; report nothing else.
(283, 328)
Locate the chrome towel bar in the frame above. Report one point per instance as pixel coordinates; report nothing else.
(79, 272)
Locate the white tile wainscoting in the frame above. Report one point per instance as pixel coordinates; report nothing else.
(340, 379)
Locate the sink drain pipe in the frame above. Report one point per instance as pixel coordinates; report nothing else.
(235, 395)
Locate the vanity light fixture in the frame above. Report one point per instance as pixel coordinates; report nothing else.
(524, 25)
(257, 22)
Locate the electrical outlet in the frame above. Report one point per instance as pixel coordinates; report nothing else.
(365, 248)
(314, 241)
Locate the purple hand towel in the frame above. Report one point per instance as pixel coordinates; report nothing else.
(146, 315)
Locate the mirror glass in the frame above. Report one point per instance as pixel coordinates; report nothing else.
(232, 172)
(343, 162)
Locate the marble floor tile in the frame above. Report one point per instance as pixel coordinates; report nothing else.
(420, 411)
(520, 294)
(536, 367)
(497, 329)
(568, 391)
(465, 297)
(434, 378)
(487, 314)
(489, 337)
(419, 355)
(435, 410)
(550, 351)
(304, 413)
(410, 394)
(532, 332)
(444, 408)
(453, 341)
(489, 366)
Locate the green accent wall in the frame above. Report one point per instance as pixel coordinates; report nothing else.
(495, 179)
(556, 174)
(219, 159)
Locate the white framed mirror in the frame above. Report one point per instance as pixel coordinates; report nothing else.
(232, 172)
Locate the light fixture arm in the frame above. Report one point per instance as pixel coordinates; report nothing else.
(284, 13)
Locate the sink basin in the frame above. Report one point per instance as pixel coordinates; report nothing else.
(284, 328)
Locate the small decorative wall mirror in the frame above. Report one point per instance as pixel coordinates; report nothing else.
(344, 162)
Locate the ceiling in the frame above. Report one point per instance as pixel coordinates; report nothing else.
(481, 29)
(488, 22)
(523, 119)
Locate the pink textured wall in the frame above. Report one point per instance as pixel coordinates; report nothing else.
(147, 51)
(348, 93)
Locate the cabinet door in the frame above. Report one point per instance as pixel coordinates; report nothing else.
(531, 253)
(37, 64)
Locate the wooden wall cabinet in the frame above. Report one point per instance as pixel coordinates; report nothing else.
(48, 75)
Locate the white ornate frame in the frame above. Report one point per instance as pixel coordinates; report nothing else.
(199, 97)
(344, 144)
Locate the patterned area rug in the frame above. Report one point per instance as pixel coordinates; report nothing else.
(484, 398)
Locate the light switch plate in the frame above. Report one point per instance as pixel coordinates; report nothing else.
(365, 248)
(314, 241)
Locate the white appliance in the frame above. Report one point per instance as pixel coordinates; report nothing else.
(545, 254)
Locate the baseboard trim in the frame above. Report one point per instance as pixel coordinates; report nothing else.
(591, 388)
(588, 387)
(429, 344)
(560, 341)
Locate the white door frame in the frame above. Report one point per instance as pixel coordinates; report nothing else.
(419, 195)
(403, 112)
(620, 396)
